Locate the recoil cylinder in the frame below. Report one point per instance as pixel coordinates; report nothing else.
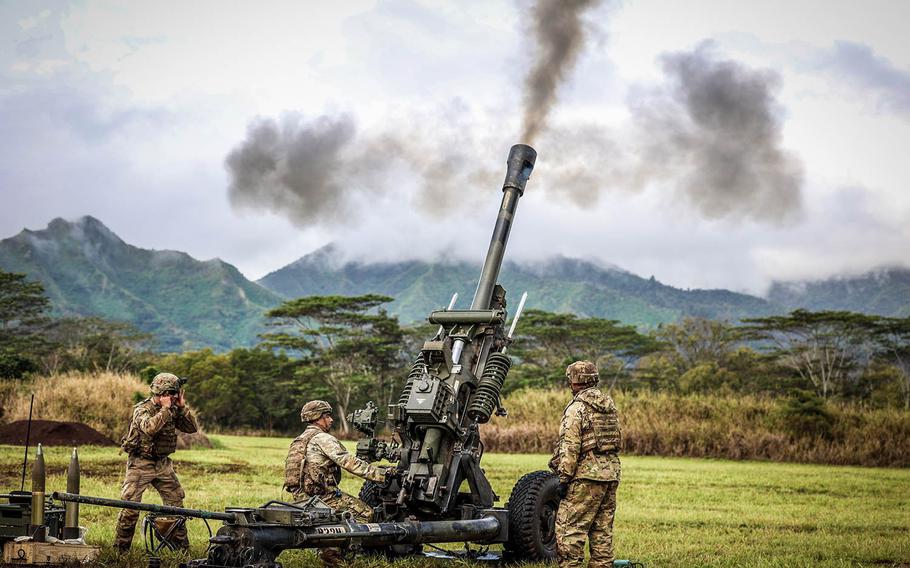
(486, 397)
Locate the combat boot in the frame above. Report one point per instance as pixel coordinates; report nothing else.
(331, 557)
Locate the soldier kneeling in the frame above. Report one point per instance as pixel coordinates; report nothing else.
(313, 469)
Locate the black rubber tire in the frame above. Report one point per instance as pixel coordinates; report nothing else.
(532, 518)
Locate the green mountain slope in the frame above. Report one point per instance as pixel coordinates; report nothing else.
(885, 292)
(559, 284)
(88, 270)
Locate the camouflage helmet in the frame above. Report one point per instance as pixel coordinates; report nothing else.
(582, 373)
(165, 382)
(314, 410)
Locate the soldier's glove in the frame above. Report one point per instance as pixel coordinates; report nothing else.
(562, 490)
(391, 474)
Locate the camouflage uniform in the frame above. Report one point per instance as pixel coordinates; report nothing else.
(314, 465)
(313, 468)
(152, 437)
(586, 459)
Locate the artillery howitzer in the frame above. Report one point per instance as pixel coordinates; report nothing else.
(452, 389)
(439, 492)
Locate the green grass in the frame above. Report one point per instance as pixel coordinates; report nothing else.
(671, 512)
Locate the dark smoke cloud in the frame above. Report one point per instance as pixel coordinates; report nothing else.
(322, 170)
(558, 29)
(714, 132)
(294, 167)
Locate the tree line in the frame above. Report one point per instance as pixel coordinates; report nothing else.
(349, 349)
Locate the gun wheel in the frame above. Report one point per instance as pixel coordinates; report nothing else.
(532, 518)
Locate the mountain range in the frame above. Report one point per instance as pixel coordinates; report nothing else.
(557, 284)
(185, 303)
(188, 304)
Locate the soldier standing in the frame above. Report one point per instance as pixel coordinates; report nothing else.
(313, 469)
(151, 438)
(587, 462)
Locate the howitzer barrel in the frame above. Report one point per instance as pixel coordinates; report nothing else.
(164, 509)
(519, 165)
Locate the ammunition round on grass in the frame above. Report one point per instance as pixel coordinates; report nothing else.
(39, 477)
(71, 515)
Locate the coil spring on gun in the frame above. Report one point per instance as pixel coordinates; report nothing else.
(417, 369)
(486, 397)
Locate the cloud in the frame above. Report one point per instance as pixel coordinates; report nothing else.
(858, 64)
(130, 115)
(842, 236)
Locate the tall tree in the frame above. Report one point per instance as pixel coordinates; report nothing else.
(697, 341)
(23, 315)
(274, 388)
(244, 388)
(893, 338)
(94, 344)
(698, 355)
(547, 342)
(349, 343)
(824, 348)
(215, 388)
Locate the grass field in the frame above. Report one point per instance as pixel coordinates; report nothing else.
(672, 511)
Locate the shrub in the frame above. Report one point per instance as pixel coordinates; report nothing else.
(805, 415)
(15, 365)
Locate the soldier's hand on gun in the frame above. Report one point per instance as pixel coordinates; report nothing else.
(390, 474)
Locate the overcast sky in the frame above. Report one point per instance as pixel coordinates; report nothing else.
(710, 144)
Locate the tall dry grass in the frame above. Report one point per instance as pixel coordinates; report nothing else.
(741, 427)
(101, 400)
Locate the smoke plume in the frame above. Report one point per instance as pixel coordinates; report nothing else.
(710, 132)
(560, 38)
(295, 168)
(714, 133)
(314, 171)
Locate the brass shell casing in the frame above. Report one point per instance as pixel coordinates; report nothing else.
(37, 508)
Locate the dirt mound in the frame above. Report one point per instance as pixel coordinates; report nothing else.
(53, 433)
(194, 440)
